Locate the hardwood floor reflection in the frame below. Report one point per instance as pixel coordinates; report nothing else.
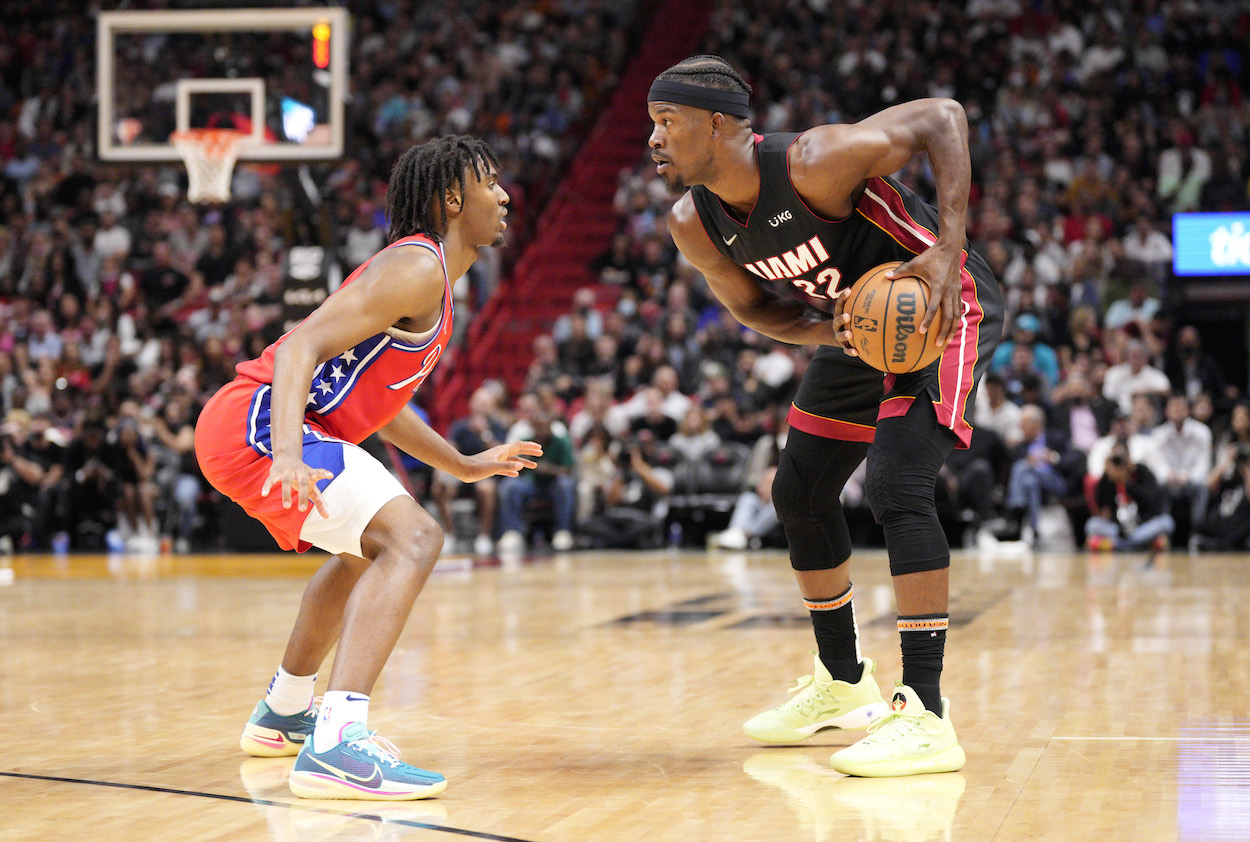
(601, 696)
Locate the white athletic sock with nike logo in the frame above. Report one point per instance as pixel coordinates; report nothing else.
(338, 708)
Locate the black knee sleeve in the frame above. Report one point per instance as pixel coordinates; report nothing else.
(806, 493)
(903, 465)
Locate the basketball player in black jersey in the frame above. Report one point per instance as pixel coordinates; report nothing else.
(780, 225)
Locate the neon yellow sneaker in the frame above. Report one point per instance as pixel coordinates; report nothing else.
(821, 703)
(908, 740)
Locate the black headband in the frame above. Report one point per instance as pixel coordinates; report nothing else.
(733, 103)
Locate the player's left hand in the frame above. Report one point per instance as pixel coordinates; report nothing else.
(505, 460)
(940, 267)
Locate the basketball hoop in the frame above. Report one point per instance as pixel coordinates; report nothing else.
(210, 155)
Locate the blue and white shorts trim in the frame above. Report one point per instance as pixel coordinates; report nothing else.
(360, 488)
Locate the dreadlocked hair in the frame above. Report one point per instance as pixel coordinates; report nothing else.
(421, 177)
(708, 72)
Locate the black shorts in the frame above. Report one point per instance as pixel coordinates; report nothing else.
(842, 397)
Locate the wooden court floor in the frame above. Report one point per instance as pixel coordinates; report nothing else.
(600, 697)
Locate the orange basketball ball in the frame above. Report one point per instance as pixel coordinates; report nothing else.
(885, 315)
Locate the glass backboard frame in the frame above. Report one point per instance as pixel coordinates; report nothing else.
(110, 24)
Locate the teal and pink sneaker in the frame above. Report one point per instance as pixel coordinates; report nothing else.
(361, 767)
(268, 734)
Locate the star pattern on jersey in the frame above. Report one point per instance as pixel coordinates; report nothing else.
(329, 376)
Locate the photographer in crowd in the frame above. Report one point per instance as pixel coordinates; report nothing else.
(634, 497)
(1130, 507)
(1227, 525)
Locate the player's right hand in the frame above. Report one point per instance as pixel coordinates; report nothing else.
(294, 476)
(841, 324)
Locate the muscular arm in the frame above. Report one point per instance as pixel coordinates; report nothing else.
(416, 438)
(829, 165)
(780, 319)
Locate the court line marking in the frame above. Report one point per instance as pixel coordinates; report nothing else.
(476, 834)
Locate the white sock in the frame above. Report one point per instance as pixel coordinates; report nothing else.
(290, 694)
(338, 709)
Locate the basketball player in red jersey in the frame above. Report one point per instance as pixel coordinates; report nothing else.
(780, 225)
(281, 441)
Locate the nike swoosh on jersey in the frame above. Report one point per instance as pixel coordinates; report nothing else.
(373, 781)
(729, 241)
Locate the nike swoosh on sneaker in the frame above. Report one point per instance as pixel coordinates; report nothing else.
(276, 742)
(729, 241)
(373, 781)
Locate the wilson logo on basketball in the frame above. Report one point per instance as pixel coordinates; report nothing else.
(885, 321)
(905, 325)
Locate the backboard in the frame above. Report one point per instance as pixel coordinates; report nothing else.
(279, 75)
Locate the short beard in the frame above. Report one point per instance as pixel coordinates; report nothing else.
(675, 185)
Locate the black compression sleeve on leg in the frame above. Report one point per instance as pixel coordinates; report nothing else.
(903, 465)
(806, 494)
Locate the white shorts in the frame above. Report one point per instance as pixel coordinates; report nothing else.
(353, 497)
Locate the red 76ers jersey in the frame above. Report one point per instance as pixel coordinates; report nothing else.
(362, 389)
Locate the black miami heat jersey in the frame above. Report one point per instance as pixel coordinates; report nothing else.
(797, 254)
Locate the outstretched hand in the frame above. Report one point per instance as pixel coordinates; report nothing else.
(293, 476)
(505, 460)
(940, 267)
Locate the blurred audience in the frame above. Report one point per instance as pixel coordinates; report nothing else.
(551, 483)
(1181, 460)
(480, 430)
(122, 307)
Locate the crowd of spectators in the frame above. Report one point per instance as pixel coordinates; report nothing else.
(123, 307)
(1089, 126)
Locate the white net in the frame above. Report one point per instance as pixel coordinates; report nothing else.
(210, 155)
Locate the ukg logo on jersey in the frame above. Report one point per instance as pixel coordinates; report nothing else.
(1211, 244)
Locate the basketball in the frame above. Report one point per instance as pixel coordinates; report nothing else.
(885, 315)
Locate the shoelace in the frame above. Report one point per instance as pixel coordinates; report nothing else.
(803, 682)
(379, 747)
(904, 724)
